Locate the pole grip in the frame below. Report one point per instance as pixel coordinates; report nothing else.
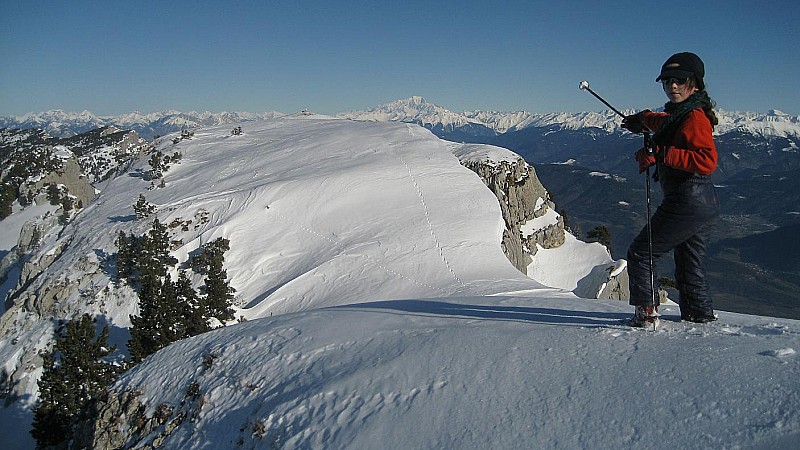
(648, 143)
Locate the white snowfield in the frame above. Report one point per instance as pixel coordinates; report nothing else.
(323, 212)
(382, 313)
(528, 371)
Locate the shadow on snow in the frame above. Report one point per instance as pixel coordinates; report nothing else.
(552, 316)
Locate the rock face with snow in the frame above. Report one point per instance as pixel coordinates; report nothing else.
(70, 175)
(532, 226)
(521, 196)
(122, 418)
(75, 164)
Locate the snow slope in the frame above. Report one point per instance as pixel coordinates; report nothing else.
(329, 211)
(381, 312)
(523, 371)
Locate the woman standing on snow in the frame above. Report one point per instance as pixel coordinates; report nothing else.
(685, 156)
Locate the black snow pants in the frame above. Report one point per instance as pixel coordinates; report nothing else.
(681, 224)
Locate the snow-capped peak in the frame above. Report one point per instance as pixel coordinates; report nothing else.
(413, 109)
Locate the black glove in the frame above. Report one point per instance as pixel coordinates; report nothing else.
(634, 123)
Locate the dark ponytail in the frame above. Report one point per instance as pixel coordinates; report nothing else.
(709, 110)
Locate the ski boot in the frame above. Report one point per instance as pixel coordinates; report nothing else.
(646, 317)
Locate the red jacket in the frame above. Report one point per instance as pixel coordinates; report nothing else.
(691, 147)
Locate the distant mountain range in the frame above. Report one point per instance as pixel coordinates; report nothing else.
(416, 109)
(747, 141)
(430, 115)
(59, 123)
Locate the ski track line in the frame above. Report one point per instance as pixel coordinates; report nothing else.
(421, 196)
(343, 251)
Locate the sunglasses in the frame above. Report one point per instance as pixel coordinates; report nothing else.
(678, 81)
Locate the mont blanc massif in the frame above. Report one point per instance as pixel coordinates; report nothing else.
(403, 277)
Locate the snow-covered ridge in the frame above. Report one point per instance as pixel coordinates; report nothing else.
(319, 212)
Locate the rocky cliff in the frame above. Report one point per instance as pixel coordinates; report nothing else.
(523, 199)
(33, 161)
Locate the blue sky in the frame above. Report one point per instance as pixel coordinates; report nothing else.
(334, 56)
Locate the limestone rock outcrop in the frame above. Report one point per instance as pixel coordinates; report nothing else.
(522, 197)
(530, 218)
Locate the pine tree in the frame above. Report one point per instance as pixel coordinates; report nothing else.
(74, 376)
(125, 256)
(154, 254)
(54, 194)
(219, 293)
(143, 208)
(156, 163)
(168, 311)
(154, 327)
(600, 234)
(193, 309)
(7, 196)
(67, 205)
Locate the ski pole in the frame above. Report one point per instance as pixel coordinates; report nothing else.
(648, 144)
(584, 86)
